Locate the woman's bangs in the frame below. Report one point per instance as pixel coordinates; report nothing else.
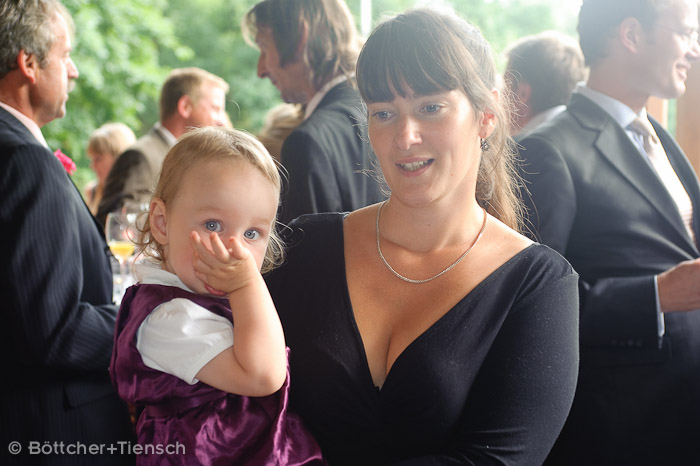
(396, 61)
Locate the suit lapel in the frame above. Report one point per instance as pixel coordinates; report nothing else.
(616, 147)
(17, 126)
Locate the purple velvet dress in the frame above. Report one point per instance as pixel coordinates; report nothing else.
(185, 424)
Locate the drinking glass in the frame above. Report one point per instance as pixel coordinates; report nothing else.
(121, 232)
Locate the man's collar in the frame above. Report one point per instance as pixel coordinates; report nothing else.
(316, 99)
(620, 112)
(167, 135)
(28, 122)
(541, 118)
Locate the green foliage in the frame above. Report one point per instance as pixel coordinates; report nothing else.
(212, 29)
(116, 49)
(500, 21)
(125, 48)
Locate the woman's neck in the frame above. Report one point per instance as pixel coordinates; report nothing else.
(438, 225)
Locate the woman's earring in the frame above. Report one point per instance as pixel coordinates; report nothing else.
(485, 146)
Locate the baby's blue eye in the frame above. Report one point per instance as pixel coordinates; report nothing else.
(252, 234)
(431, 108)
(213, 225)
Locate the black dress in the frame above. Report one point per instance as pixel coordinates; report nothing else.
(491, 382)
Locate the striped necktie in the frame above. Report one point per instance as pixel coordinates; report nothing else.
(664, 170)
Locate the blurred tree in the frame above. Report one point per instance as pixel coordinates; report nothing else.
(212, 28)
(125, 48)
(116, 49)
(500, 21)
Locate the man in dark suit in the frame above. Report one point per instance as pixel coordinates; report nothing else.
(623, 207)
(189, 98)
(55, 274)
(308, 50)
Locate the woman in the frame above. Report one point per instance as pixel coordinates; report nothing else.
(279, 123)
(106, 143)
(425, 330)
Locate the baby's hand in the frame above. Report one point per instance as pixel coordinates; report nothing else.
(223, 270)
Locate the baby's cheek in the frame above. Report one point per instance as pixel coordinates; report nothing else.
(259, 255)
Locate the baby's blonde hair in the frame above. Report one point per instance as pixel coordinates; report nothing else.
(205, 145)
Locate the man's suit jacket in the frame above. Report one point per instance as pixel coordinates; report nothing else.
(58, 316)
(324, 155)
(134, 174)
(595, 199)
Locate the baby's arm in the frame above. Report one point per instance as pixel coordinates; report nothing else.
(256, 365)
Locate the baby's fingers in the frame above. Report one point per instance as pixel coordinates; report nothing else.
(202, 253)
(236, 249)
(217, 246)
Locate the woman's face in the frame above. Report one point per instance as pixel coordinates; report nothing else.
(428, 146)
(101, 164)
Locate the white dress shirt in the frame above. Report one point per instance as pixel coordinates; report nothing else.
(28, 122)
(542, 117)
(167, 135)
(316, 99)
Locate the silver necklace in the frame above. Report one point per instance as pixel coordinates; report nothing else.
(450, 267)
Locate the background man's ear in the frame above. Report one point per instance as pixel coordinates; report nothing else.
(630, 33)
(184, 106)
(27, 64)
(524, 92)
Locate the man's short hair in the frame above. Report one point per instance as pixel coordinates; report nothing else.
(599, 19)
(551, 63)
(24, 26)
(333, 43)
(185, 81)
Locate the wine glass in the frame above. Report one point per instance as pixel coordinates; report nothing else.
(121, 232)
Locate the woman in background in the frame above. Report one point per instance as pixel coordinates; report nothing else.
(106, 143)
(280, 121)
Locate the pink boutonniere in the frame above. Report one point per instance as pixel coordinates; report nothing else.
(66, 161)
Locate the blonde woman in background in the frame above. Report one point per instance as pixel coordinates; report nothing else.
(106, 143)
(280, 121)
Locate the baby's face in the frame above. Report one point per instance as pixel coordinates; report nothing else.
(229, 198)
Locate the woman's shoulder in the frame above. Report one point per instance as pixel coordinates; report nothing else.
(518, 251)
(526, 268)
(544, 257)
(540, 273)
(538, 263)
